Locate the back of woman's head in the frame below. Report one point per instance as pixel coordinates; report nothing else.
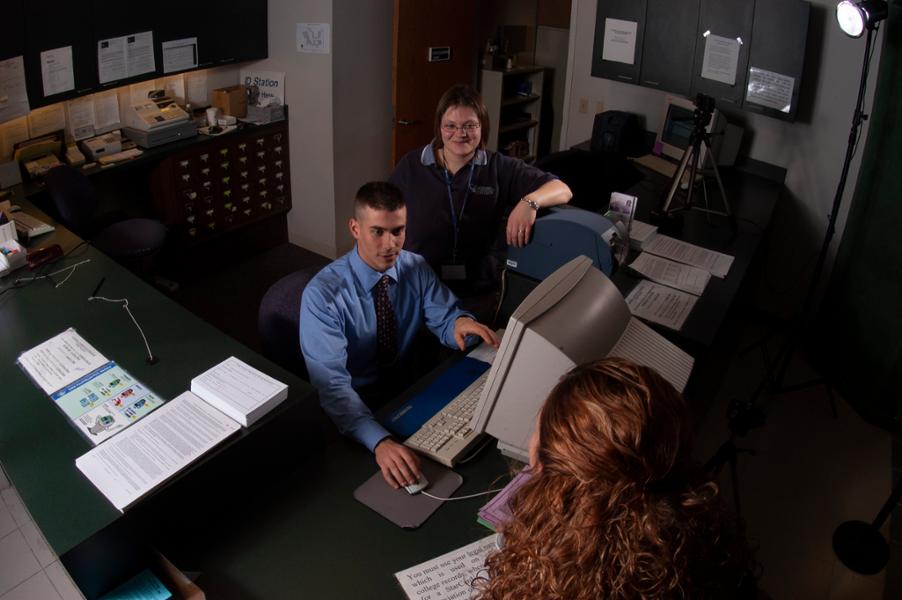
(615, 422)
(614, 508)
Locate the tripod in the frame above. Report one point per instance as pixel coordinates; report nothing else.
(702, 117)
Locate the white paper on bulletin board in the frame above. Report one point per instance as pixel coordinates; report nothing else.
(619, 41)
(57, 73)
(721, 58)
(13, 98)
(770, 89)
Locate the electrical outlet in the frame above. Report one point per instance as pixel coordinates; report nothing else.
(584, 105)
(599, 107)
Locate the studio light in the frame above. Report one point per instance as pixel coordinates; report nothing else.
(855, 17)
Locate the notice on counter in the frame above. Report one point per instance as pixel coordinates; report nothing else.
(660, 304)
(81, 118)
(106, 111)
(721, 59)
(57, 73)
(11, 133)
(47, 119)
(61, 360)
(451, 575)
(676, 275)
(13, 98)
(619, 41)
(716, 263)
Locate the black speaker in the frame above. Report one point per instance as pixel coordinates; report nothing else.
(617, 132)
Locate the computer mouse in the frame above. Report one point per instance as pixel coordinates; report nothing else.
(419, 486)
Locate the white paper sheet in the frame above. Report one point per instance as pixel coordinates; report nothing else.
(237, 389)
(641, 233)
(111, 64)
(196, 89)
(60, 360)
(767, 88)
(139, 53)
(134, 462)
(106, 111)
(313, 38)
(660, 304)
(12, 132)
(721, 59)
(450, 576)
(13, 97)
(716, 263)
(47, 119)
(175, 88)
(271, 85)
(81, 117)
(676, 275)
(57, 74)
(179, 55)
(619, 41)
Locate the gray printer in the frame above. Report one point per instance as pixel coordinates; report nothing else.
(560, 236)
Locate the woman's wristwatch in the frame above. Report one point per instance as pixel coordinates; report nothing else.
(532, 203)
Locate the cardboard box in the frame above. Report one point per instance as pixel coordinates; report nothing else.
(231, 100)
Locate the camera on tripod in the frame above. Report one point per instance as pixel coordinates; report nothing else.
(704, 108)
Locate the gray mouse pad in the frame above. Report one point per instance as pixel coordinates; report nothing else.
(401, 508)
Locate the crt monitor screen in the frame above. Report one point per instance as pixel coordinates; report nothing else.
(678, 126)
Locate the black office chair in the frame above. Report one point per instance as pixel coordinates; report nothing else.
(278, 321)
(124, 239)
(592, 176)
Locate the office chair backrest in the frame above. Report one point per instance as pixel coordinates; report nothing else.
(73, 197)
(278, 320)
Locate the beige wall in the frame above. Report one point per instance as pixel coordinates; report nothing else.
(811, 149)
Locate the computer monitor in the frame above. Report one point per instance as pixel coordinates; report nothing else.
(574, 316)
(676, 129)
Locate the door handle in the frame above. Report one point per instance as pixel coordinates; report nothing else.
(407, 122)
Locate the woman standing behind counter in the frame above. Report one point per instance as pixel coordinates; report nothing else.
(458, 194)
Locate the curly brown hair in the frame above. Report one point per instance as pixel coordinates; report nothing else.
(614, 509)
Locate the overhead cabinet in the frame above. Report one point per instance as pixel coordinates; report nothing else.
(744, 53)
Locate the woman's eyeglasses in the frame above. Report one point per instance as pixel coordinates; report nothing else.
(465, 128)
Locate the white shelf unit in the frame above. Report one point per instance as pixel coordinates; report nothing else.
(513, 99)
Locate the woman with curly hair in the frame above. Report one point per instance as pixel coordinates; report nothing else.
(614, 508)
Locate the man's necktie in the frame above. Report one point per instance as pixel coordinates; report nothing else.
(386, 324)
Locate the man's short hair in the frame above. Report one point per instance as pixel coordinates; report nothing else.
(379, 195)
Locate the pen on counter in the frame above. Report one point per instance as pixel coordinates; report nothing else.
(97, 289)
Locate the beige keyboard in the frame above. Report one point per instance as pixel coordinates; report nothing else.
(447, 435)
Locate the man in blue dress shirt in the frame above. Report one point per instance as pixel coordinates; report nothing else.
(359, 317)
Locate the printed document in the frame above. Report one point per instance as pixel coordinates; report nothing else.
(61, 360)
(239, 390)
(721, 59)
(451, 575)
(619, 41)
(129, 465)
(676, 275)
(660, 304)
(13, 98)
(714, 262)
(57, 73)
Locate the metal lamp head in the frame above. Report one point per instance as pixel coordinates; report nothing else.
(855, 18)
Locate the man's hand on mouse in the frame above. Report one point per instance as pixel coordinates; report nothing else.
(400, 465)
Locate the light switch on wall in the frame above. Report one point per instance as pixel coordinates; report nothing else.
(583, 105)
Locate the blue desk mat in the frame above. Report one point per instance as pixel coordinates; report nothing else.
(411, 415)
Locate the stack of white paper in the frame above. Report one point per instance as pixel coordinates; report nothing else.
(239, 390)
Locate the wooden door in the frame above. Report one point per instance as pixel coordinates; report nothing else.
(417, 82)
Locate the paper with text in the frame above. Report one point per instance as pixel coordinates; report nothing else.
(770, 89)
(716, 263)
(661, 304)
(139, 53)
(106, 111)
(451, 575)
(721, 60)
(11, 133)
(61, 360)
(47, 119)
(57, 73)
(179, 55)
(676, 275)
(641, 233)
(13, 97)
(239, 390)
(131, 464)
(619, 41)
(81, 117)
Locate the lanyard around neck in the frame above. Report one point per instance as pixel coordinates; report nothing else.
(456, 218)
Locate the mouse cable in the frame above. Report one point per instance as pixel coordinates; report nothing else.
(151, 359)
(461, 497)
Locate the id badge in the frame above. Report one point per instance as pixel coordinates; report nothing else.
(454, 272)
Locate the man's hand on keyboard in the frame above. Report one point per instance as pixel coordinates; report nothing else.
(465, 326)
(400, 465)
